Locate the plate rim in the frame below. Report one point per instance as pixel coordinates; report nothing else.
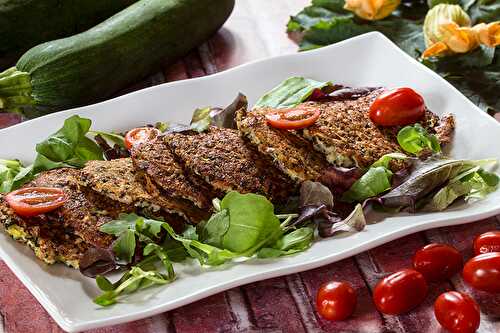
(73, 326)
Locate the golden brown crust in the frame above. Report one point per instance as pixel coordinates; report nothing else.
(115, 179)
(157, 163)
(84, 212)
(226, 162)
(292, 154)
(345, 132)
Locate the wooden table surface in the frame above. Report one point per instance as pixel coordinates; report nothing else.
(286, 304)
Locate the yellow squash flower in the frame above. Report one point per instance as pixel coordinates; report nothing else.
(372, 10)
(447, 31)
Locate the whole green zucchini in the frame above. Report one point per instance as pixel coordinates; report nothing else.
(93, 65)
(26, 23)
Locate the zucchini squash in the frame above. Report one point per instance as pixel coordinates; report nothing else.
(97, 63)
(26, 23)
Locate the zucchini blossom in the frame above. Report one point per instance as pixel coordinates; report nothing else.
(372, 10)
(448, 31)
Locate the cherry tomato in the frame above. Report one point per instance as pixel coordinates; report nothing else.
(336, 300)
(32, 201)
(301, 116)
(483, 272)
(457, 312)
(487, 242)
(400, 292)
(140, 135)
(397, 107)
(437, 262)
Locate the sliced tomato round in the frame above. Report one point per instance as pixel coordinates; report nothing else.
(301, 116)
(140, 135)
(33, 201)
(397, 107)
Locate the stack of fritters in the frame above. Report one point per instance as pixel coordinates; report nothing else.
(175, 176)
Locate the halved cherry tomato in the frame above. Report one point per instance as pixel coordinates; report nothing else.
(140, 135)
(487, 242)
(457, 312)
(32, 201)
(336, 300)
(483, 272)
(400, 292)
(437, 262)
(301, 116)
(397, 107)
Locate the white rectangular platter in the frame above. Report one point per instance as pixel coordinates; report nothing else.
(367, 60)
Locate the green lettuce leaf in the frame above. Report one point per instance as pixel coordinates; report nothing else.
(290, 93)
(375, 181)
(11, 172)
(414, 139)
(296, 241)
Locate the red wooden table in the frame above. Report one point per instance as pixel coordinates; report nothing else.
(285, 304)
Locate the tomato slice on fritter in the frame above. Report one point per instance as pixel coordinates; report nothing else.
(32, 201)
(293, 118)
(140, 135)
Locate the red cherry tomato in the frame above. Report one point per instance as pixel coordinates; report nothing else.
(32, 201)
(400, 292)
(483, 272)
(140, 135)
(487, 242)
(301, 116)
(336, 300)
(437, 262)
(397, 107)
(457, 312)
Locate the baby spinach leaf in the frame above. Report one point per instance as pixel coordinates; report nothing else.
(252, 222)
(414, 139)
(213, 231)
(290, 93)
(69, 145)
(375, 181)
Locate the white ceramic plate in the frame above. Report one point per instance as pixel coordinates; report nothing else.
(370, 59)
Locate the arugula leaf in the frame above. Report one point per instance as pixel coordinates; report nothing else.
(124, 246)
(290, 93)
(296, 241)
(136, 278)
(414, 139)
(252, 222)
